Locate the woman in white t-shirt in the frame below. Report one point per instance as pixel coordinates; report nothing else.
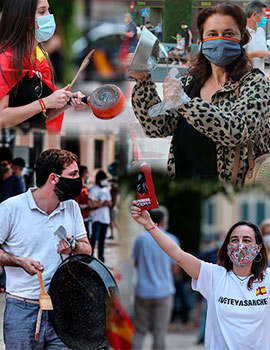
(100, 201)
(236, 290)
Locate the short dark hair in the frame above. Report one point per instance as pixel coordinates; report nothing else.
(257, 268)
(52, 161)
(201, 67)
(82, 170)
(101, 175)
(19, 162)
(5, 155)
(157, 215)
(254, 6)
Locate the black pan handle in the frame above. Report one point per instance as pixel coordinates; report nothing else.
(85, 99)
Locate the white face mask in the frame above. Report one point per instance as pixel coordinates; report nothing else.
(104, 183)
(46, 28)
(266, 239)
(88, 180)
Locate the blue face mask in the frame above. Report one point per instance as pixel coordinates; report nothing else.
(221, 51)
(46, 28)
(262, 22)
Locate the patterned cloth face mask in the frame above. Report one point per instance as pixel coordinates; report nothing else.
(241, 254)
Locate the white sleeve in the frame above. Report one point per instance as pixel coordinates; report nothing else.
(109, 195)
(79, 228)
(5, 223)
(90, 193)
(206, 281)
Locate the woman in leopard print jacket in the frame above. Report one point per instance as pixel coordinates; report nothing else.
(229, 104)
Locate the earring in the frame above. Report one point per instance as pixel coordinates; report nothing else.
(260, 258)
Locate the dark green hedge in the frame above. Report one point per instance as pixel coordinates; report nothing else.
(175, 12)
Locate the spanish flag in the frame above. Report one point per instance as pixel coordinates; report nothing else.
(119, 328)
(260, 291)
(8, 80)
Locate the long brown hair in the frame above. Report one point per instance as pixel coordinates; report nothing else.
(17, 32)
(258, 267)
(201, 67)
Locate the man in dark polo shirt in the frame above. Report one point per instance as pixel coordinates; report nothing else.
(188, 41)
(130, 38)
(10, 184)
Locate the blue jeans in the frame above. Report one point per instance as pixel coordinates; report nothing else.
(20, 320)
(99, 231)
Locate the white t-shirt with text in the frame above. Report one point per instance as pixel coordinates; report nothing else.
(237, 318)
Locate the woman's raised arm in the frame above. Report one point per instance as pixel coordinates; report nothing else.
(188, 262)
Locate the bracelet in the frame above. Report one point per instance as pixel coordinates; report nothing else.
(151, 228)
(44, 110)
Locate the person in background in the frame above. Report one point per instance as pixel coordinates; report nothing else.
(130, 36)
(265, 230)
(150, 27)
(188, 41)
(55, 48)
(17, 166)
(158, 30)
(256, 20)
(10, 184)
(115, 194)
(155, 286)
(178, 50)
(100, 193)
(82, 199)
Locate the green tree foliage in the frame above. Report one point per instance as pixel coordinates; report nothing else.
(175, 12)
(183, 200)
(64, 13)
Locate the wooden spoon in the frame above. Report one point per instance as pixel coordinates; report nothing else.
(84, 64)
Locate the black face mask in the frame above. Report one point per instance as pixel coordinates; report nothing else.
(67, 188)
(4, 168)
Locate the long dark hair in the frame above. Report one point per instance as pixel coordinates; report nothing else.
(17, 32)
(258, 267)
(201, 67)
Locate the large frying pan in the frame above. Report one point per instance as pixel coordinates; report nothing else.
(81, 289)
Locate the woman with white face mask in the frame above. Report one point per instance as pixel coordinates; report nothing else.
(220, 105)
(100, 202)
(236, 289)
(28, 96)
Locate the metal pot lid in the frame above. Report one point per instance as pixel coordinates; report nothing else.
(146, 55)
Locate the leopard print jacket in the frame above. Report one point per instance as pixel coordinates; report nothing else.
(229, 120)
